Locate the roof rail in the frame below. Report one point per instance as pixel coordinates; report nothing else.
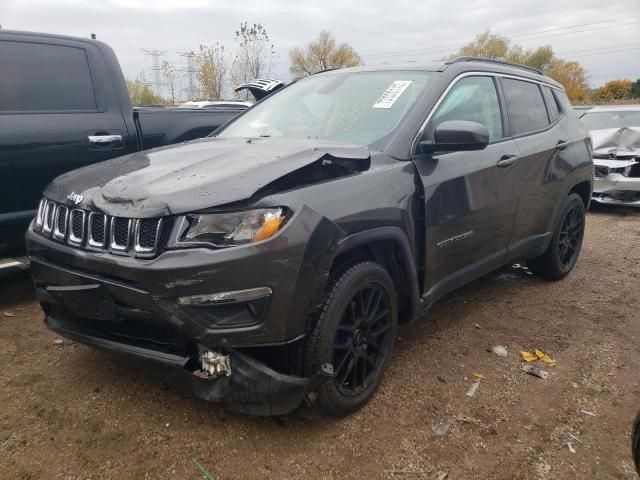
(493, 60)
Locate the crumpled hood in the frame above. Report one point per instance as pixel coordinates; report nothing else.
(191, 176)
(616, 142)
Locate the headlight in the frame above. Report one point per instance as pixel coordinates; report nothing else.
(235, 228)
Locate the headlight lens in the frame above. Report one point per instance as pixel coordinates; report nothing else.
(234, 228)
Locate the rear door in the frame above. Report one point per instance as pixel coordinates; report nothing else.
(58, 112)
(469, 197)
(541, 168)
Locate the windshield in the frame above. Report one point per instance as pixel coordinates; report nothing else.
(619, 119)
(361, 108)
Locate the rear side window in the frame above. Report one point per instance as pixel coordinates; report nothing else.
(473, 99)
(525, 105)
(552, 103)
(40, 77)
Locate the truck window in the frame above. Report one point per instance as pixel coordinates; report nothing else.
(473, 99)
(36, 77)
(525, 105)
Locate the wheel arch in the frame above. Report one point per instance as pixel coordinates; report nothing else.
(390, 247)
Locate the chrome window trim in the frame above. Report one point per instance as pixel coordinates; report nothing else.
(140, 250)
(72, 239)
(416, 139)
(57, 234)
(90, 241)
(115, 247)
(47, 227)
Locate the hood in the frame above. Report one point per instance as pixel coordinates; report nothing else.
(192, 176)
(616, 142)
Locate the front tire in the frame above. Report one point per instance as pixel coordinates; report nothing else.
(563, 251)
(354, 332)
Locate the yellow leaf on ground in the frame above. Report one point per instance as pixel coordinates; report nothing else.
(544, 357)
(528, 356)
(478, 375)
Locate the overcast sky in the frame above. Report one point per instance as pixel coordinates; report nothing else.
(603, 36)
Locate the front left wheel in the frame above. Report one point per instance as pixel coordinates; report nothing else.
(354, 332)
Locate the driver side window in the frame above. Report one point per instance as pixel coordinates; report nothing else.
(473, 99)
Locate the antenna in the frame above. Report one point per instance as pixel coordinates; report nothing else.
(156, 69)
(191, 74)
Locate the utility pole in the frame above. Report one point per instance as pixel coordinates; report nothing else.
(156, 68)
(191, 74)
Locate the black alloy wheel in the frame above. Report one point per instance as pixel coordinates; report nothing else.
(354, 332)
(362, 340)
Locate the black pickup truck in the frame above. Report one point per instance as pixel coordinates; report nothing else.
(64, 104)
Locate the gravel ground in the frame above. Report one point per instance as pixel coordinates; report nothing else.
(70, 412)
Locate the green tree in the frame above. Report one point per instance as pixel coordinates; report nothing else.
(322, 54)
(570, 74)
(141, 94)
(635, 89)
(169, 73)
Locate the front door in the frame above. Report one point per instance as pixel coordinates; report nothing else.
(470, 202)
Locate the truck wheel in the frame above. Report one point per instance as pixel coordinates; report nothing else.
(354, 332)
(566, 242)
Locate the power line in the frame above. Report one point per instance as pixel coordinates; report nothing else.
(191, 74)
(156, 68)
(457, 45)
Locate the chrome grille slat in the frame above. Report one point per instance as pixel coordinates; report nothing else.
(60, 222)
(77, 227)
(120, 234)
(47, 226)
(97, 223)
(97, 231)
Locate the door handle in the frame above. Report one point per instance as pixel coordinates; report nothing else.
(507, 160)
(562, 144)
(104, 140)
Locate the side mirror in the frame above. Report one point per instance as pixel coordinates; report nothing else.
(456, 136)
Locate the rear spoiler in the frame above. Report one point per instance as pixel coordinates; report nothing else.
(261, 88)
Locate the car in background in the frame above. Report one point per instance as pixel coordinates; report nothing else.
(615, 134)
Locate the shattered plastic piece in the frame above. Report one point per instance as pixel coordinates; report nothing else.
(544, 357)
(477, 325)
(573, 437)
(535, 371)
(442, 430)
(473, 389)
(500, 350)
(443, 475)
(528, 356)
(586, 412)
(215, 364)
(571, 449)
(465, 419)
(58, 342)
(9, 314)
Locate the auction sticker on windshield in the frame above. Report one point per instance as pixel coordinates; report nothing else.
(392, 94)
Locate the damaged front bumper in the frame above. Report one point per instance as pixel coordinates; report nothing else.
(250, 304)
(617, 182)
(251, 387)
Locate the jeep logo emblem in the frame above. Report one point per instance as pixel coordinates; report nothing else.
(75, 198)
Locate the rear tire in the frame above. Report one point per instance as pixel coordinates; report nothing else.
(563, 251)
(354, 332)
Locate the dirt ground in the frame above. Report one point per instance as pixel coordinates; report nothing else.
(70, 412)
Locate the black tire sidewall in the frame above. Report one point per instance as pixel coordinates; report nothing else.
(329, 398)
(571, 201)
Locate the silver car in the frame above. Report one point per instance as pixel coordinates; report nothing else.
(615, 134)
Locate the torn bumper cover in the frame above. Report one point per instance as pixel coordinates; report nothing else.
(251, 387)
(168, 310)
(617, 166)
